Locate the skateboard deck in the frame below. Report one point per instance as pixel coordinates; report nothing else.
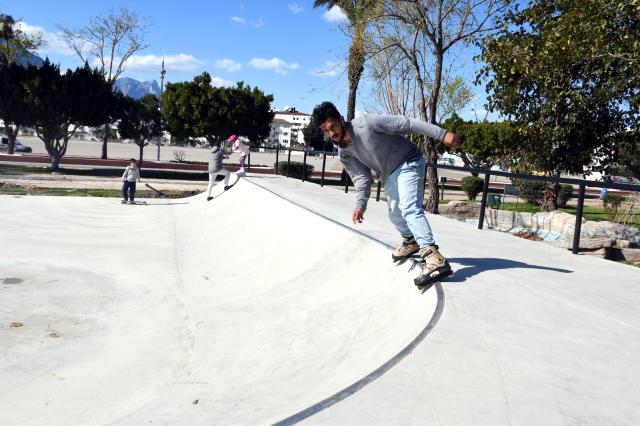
(157, 191)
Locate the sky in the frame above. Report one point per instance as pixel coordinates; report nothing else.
(284, 47)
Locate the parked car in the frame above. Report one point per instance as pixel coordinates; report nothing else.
(17, 147)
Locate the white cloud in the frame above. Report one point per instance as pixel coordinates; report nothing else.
(329, 69)
(335, 14)
(238, 19)
(152, 63)
(221, 82)
(258, 24)
(228, 65)
(53, 42)
(275, 64)
(295, 8)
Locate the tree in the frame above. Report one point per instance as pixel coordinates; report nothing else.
(14, 43)
(59, 103)
(423, 33)
(110, 41)
(314, 137)
(141, 121)
(195, 109)
(485, 143)
(250, 112)
(13, 106)
(359, 14)
(15, 48)
(550, 67)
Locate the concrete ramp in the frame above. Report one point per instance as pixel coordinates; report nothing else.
(265, 305)
(243, 310)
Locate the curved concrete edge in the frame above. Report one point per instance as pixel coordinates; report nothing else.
(375, 374)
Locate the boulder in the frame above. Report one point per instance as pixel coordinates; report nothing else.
(630, 254)
(460, 209)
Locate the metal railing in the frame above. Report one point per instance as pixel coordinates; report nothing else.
(582, 184)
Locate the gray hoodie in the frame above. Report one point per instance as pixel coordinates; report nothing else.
(131, 175)
(215, 160)
(378, 144)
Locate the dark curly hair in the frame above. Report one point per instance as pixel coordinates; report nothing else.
(323, 111)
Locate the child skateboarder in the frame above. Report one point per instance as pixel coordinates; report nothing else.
(376, 142)
(218, 152)
(243, 150)
(129, 177)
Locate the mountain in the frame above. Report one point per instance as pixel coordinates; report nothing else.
(26, 58)
(137, 89)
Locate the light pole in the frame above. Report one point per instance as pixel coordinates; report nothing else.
(162, 73)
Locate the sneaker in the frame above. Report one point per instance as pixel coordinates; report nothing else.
(409, 246)
(226, 188)
(124, 201)
(209, 198)
(436, 267)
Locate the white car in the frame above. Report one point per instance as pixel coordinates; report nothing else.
(17, 147)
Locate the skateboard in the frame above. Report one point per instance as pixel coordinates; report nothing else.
(228, 187)
(137, 203)
(157, 191)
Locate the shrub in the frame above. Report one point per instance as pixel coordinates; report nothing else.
(530, 190)
(565, 193)
(295, 169)
(472, 186)
(179, 156)
(613, 201)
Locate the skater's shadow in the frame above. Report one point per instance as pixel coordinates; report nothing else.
(476, 265)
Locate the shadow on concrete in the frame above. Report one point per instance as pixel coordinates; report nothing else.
(476, 265)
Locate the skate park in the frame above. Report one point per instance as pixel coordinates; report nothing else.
(267, 305)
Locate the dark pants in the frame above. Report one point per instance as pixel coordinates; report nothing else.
(129, 187)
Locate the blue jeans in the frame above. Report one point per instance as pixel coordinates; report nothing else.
(130, 188)
(405, 195)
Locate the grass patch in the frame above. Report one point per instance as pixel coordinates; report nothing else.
(628, 263)
(588, 212)
(6, 169)
(114, 193)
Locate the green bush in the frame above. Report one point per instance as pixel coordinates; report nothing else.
(530, 190)
(564, 194)
(295, 169)
(613, 201)
(472, 186)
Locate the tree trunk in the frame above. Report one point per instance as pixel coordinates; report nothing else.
(141, 146)
(551, 192)
(55, 162)
(104, 141)
(11, 136)
(432, 154)
(355, 70)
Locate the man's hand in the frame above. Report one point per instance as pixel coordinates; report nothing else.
(358, 216)
(451, 140)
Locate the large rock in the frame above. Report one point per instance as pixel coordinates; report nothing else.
(460, 209)
(556, 221)
(505, 220)
(630, 255)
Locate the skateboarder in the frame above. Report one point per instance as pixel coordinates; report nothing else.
(129, 177)
(376, 142)
(218, 152)
(242, 149)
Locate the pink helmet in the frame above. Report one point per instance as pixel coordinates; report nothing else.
(232, 138)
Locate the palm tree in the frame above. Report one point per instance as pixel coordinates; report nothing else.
(359, 13)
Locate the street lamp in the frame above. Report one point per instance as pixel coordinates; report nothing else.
(162, 73)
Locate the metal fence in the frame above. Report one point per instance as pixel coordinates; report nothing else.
(582, 184)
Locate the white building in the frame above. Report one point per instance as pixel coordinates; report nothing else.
(286, 128)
